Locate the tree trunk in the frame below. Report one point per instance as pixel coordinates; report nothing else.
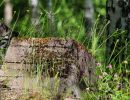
(89, 14)
(118, 13)
(49, 4)
(8, 12)
(35, 12)
(51, 18)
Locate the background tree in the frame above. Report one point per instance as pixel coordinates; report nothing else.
(34, 11)
(118, 13)
(49, 4)
(8, 12)
(89, 15)
(50, 16)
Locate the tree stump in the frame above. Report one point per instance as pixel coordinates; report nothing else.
(66, 59)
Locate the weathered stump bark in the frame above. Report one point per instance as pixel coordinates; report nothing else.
(65, 58)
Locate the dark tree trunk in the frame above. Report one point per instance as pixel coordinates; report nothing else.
(118, 13)
(49, 4)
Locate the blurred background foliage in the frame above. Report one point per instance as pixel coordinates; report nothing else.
(77, 5)
(66, 10)
(68, 19)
